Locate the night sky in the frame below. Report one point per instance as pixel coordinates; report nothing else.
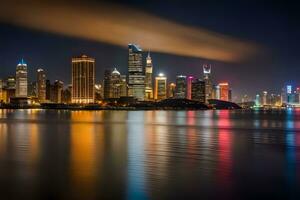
(272, 25)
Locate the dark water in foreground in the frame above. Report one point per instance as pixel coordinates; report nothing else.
(149, 154)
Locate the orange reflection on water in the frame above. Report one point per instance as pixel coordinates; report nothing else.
(83, 150)
(3, 138)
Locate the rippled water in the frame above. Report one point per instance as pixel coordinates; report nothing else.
(149, 154)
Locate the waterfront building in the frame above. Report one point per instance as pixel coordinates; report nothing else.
(41, 85)
(83, 79)
(32, 89)
(48, 90)
(1, 91)
(56, 92)
(148, 78)
(208, 82)
(115, 84)
(21, 79)
(160, 87)
(224, 91)
(198, 90)
(180, 91)
(171, 90)
(257, 100)
(136, 76)
(123, 86)
(264, 98)
(98, 92)
(189, 87)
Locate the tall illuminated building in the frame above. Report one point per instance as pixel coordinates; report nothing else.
(257, 100)
(136, 76)
(208, 82)
(21, 79)
(189, 87)
(265, 98)
(180, 91)
(198, 90)
(83, 79)
(224, 91)
(171, 90)
(41, 85)
(148, 78)
(160, 87)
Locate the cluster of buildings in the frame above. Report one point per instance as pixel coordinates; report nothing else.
(143, 86)
(289, 96)
(139, 84)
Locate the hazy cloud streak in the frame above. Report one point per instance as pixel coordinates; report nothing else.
(120, 25)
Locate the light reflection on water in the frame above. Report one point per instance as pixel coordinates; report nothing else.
(149, 154)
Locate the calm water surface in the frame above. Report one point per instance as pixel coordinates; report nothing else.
(48, 154)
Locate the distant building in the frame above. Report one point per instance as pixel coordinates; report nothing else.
(180, 92)
(48, 90)
(115, 84)
(171, 90)
(56, 92)
(123, 86)
(107, 83)
(160, 87)
(21, 79)
(224, 91)
(198, 90)
(32, 89)
(41, 85)
(208, 82)
(66, 95)
(148, 78)
(1, 91)
(136, 77)
(98, 92)
(189, 87)
(257, 100)
(83, 79)
(265, 98)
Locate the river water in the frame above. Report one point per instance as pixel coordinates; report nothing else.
(56, 154)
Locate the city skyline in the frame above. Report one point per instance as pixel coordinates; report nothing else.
(275, 67)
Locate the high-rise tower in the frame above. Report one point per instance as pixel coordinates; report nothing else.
(208, 82)
(21, 79)
(160, 87)
(148, 78)
(136, 76)
(41, 85)
(83, 79)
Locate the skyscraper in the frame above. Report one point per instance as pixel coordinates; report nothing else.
(160, 87)
(189, 87)
(83, 79)
(21, 79)
(198, 90)
(180, 91)
(41, 85)
(208, 82)
(136, 77)
(148, 78)
(224, 91)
